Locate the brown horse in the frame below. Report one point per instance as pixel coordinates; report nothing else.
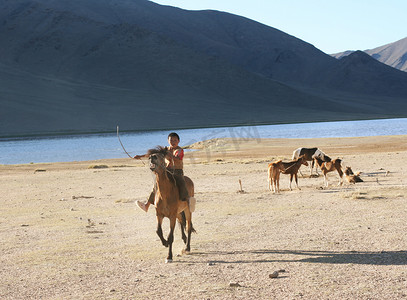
(168, 203)
(351, 177)
(273, 173)
(290, 168)
(330, 166)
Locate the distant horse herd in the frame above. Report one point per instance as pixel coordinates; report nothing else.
(168, 203)
(302, 156)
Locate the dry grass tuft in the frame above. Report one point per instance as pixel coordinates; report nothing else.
(98, 167)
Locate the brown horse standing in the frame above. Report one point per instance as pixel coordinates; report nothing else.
(168, 203)
(330, 166)
(290, 168)
(273, 173)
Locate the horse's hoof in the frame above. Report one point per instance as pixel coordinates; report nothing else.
(187, 252)
(168, 261)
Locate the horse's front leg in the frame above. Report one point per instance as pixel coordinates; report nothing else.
(170, 238)
(296, 181)
(291, 179)
(160, 231)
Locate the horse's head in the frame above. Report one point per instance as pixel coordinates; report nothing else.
(348, 171)
(157, 158)
(303, 160)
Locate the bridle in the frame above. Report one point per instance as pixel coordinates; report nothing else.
(161, 166)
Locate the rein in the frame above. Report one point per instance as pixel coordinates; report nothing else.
(123, 146)
(122, 143)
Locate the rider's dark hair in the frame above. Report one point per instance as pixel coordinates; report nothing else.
(173, 134)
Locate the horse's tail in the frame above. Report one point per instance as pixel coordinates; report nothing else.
(271, 167)
(192, 228)
(269, 171)
(184, 222)
(340, 163)
(340, 169)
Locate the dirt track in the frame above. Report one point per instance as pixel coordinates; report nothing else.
(72, 231)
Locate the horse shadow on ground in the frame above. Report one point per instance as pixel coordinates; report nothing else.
(381, 258)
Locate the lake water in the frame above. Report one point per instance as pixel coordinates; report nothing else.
(102, 146)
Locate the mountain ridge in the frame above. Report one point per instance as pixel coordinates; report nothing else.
(87, 66)
(393, 54)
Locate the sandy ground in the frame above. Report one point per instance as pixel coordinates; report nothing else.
(72, 230)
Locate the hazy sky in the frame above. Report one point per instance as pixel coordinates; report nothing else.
(331, 26)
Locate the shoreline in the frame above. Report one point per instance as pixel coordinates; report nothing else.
(45, 135)
(104, 146)
(253, 148)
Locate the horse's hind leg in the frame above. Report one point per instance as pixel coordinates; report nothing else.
(182, 222)
(326, 180)
(277, 182)
(190, 229)
(188, 243)
(340, 176)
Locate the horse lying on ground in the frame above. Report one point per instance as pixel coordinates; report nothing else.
(351, 177)
(290, 168)
(168, 203)
(330, 166)
(309, 154)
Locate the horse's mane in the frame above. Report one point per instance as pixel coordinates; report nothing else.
(158, 150)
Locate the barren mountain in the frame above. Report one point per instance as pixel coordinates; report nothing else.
(87, 66)
(393, 54)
